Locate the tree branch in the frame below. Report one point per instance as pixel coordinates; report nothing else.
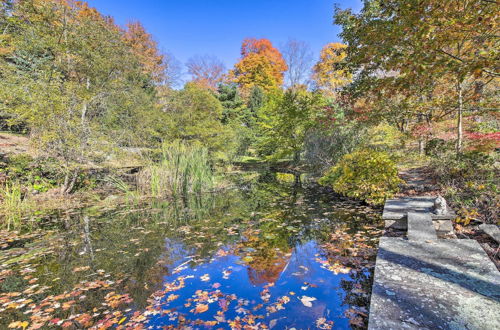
(461, 60)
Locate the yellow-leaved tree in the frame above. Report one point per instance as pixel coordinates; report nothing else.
(331, 73)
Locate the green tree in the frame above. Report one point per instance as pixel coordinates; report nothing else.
(67, 73)
(195, 114)
(285, 120)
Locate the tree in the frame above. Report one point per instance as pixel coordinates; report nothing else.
(231, 101)
(261, 64)
(195, 115)
(146, 49)
(331, 72)
(419, 43)
(285, 120)
(255, 101)
(206, 71)
(298, 57)
(68, 74)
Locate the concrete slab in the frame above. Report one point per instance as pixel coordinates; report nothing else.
(442, 284)
(421, 227)
(492, 230)
(396, 210)
(443, 226)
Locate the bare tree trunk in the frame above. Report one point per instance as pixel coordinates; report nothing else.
(65, 184)
(459, 117)
(296, 158)
(421, 143)
(69, 182)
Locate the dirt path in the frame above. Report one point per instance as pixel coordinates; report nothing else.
(418, 181)
(13, 144)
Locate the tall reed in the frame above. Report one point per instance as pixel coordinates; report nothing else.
(183, 168)
(12, 206)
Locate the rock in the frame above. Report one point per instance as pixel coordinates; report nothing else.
(440, 206)
(492, 230)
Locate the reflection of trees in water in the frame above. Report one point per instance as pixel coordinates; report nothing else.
(266, 252)
(264, 270)
(356, 297)
(130, 245)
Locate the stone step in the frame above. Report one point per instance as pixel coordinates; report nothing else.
(441, 284)
(421, 227)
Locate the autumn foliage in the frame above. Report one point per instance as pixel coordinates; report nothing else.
(261, 64)
(330, 73)
(146, 49)
(207, 71)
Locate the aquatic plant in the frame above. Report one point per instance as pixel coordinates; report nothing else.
(13, 206)
(183, 168)
(132, 196)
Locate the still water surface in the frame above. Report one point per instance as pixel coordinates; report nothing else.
(263, 255)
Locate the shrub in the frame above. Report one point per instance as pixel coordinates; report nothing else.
(384, 137)
(324, 148)
(436, 147)
(470, 182)
(368, 175)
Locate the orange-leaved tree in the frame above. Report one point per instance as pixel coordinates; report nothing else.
(146, 49)
(207, 71)
(261, 64)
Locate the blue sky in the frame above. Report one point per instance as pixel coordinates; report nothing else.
(217, 27)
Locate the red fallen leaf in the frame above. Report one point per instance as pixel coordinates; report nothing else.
(216, 285)
(67, 324)
(223, 304)
(55, 321)
(85, 320)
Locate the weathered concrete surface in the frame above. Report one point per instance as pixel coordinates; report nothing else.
(396, 210)
(441, 284)
(421, 227)
(492, 230)
(443, 226)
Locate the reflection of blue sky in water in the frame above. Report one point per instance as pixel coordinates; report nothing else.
(300, 271)
(265, 233)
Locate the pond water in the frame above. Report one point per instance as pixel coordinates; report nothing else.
(266, 254)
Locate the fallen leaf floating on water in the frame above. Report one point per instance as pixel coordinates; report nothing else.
(201, 308)
(205, 278)
(81, 269)
(226, 274)
(172, 297)
(307, 301)
(322, 323)
(18, 324)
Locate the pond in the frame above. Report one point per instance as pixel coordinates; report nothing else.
(266, 254)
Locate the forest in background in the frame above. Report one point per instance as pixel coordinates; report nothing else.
(414, 83)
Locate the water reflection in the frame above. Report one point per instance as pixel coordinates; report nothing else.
(269, 254)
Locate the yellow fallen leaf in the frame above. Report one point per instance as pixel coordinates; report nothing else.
(122, 320)
(19, 324)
